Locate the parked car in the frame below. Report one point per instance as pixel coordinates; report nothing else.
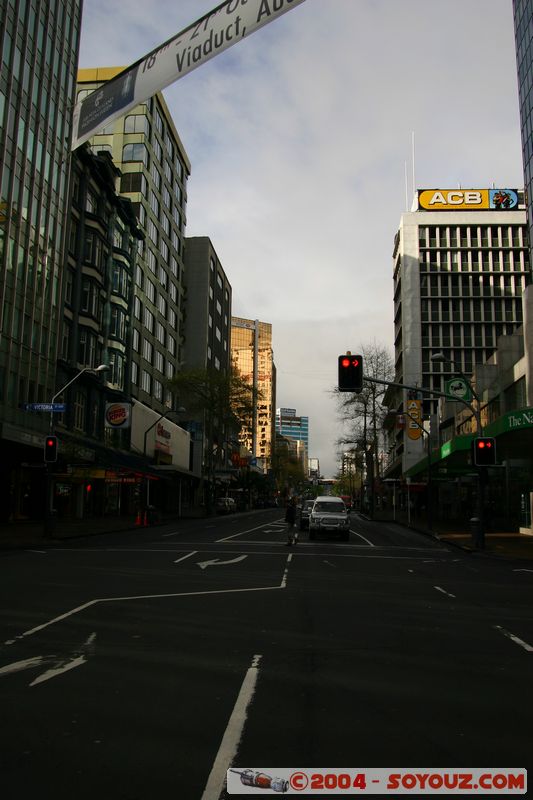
(225, 505)
(305, 510)
(329, 515)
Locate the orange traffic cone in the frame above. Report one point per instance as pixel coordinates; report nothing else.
(138, 519)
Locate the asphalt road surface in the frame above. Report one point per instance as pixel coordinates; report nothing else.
(143, 665)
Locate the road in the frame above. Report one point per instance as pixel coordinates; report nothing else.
(143, 664)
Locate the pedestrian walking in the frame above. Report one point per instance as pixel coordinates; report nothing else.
(290, 519)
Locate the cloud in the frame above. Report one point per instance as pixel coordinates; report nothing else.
(299, 139)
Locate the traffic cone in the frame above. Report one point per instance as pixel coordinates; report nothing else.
(138, 519)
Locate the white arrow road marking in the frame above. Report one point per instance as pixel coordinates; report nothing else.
(217, 562)
(61, 665)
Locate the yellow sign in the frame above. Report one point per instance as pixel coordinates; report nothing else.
(467, 199)
(413, 419)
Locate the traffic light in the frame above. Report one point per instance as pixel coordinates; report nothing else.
(484, 451)
(350, 373)
(50, 449)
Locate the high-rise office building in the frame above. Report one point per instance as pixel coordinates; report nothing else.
(146, 147)
(253, 357)
(523, 24)
(39, 44)
(461, 264)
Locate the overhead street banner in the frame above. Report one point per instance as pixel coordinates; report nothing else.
(215, 32)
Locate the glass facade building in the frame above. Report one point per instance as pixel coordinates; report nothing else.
(523, 24)
(39, 42)
(291, 426)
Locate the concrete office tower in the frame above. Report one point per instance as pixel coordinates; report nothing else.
(461, 265)
(38, 57)
(253, 357)
(147, 149)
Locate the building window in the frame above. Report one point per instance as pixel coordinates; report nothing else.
(133, 182)
(148, 351)
(158, 390)
(137, 123)
(137, 308)
(135, 152)
(146, 381)
(159, 361)
(148, 320)
(136, 340)
(134, 373)
(79, 411)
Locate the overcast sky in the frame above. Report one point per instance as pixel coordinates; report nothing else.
(300, 138)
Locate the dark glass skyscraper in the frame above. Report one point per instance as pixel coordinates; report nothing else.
(39, 42)
(523, 23)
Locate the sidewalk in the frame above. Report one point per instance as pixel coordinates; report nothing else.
(498, 545)
(21, 535)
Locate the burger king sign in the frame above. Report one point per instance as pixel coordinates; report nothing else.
(117, 415)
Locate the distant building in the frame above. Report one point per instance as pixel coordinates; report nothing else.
(207, 338)
(295, 427)
(253, 357)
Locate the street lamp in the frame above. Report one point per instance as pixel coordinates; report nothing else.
(478, 528)
(48, 518)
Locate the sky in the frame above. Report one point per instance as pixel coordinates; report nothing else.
(301, 141)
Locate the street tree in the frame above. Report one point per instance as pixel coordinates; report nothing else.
(363, 413)
(223, 402)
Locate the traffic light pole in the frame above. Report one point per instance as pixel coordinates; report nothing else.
(478, 527)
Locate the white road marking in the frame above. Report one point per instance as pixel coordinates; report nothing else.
(250, 530)
(522, 570)
(217, 562)
(329, 563)
(43, 552)
(166, 535)
(515, 639)
(177, 561)
(286, 573)
(76, 610)
(439, 589)
(233, 734)
(60, 667)
(362, 537)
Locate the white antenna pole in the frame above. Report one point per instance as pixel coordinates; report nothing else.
(406, 190)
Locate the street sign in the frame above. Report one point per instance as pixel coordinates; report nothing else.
(459, 388)
(58, 408)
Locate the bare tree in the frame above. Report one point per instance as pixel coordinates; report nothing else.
(364, 413)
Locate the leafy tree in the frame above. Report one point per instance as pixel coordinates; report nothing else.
(224, 401)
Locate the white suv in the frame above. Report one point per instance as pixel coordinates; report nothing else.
(329, 515)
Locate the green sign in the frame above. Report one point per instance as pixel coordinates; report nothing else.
(459, 388)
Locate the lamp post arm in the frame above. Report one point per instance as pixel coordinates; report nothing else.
(475, 411)
(75, 378)
(147, 431)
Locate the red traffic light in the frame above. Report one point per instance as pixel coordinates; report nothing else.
(350, 373)
(484, 451)
(50, 449)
